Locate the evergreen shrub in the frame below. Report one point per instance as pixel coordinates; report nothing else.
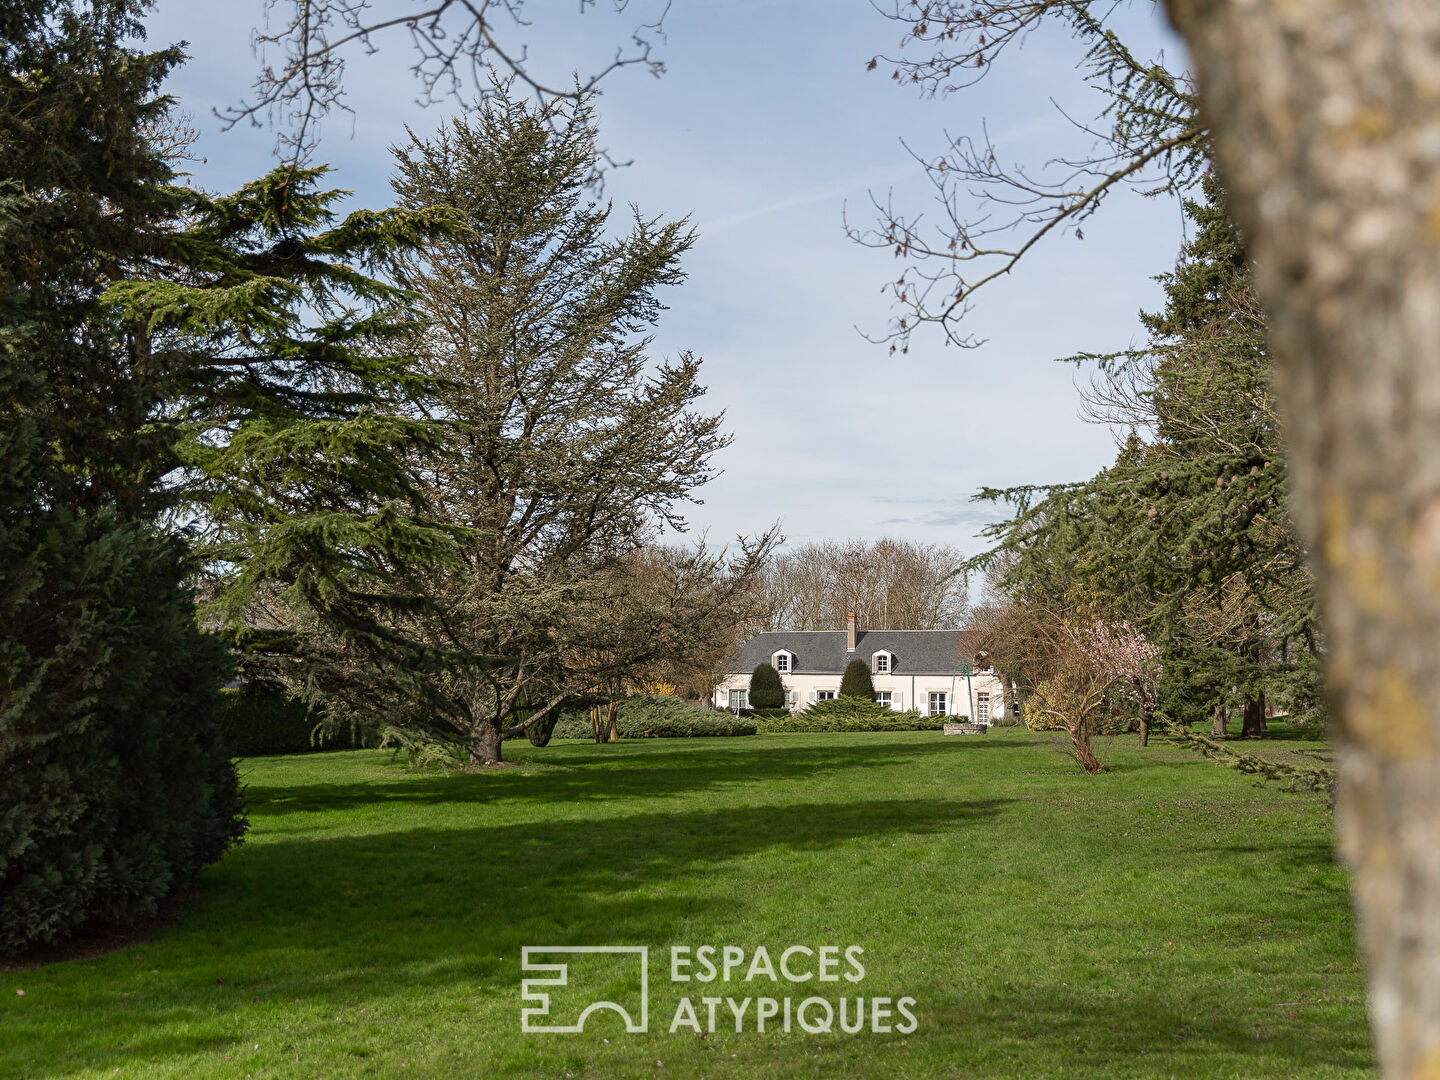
(116, 785)
(856, 682)
(655, 716)
(766, 689)
(851, 714)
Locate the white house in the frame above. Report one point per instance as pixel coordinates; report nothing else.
(911, 669)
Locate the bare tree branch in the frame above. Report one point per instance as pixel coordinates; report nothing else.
(1147, 136)
(459, 47)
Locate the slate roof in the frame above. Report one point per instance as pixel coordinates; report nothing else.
(822, 652)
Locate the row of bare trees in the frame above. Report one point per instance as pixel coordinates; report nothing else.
(889, 583)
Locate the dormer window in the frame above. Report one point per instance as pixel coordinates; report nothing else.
(883, 662)
(784, 661)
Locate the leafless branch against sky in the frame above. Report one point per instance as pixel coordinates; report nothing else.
(986, 215)
(458, 49)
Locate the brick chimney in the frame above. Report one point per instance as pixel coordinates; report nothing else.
(850, 632)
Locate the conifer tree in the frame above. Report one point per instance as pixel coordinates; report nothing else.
(293, 415)
(856, 681)
(766, 689)
(1188, 534)
(115, 789)
(565, 443)
(200, 386)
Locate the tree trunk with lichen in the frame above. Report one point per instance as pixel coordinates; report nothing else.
(1325, 116)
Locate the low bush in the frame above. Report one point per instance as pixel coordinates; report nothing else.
(767, 714)
(260, 721)
(655, 716)
(851, 714)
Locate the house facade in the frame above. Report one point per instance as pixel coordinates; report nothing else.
(911, 669)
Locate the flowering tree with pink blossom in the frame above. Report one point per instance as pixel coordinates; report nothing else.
(1134, 663)
(1078, 674)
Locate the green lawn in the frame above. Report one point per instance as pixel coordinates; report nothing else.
(1168, 918)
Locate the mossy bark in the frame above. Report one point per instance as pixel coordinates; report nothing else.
(1323, 114)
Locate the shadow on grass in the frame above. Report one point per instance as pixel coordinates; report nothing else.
(319, 925)
(1101, 1032)
(340, 921)
(588, 771)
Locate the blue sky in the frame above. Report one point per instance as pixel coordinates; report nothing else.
(764, 127)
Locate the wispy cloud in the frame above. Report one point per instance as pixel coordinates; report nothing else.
(756, 134)
(950, 515)
(852, 185)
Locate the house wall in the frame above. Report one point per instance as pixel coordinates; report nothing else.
(912, 691)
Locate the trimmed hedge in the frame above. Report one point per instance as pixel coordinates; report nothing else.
(766, 689)
(851, 714)
(260, 721)
(856, 682)
(655, 716)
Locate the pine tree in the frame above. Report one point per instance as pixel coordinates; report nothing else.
(565, 442)
(294, 415)
(766, 689)
(856, 682)
(232, 365)
(1240, 616)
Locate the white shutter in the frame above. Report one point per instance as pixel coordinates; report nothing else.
(812, 697)
(897, 701)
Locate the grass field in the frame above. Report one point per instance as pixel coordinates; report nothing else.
(1168, 918)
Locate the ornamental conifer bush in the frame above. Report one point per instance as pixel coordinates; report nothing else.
(766, 689)
(856, 681)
